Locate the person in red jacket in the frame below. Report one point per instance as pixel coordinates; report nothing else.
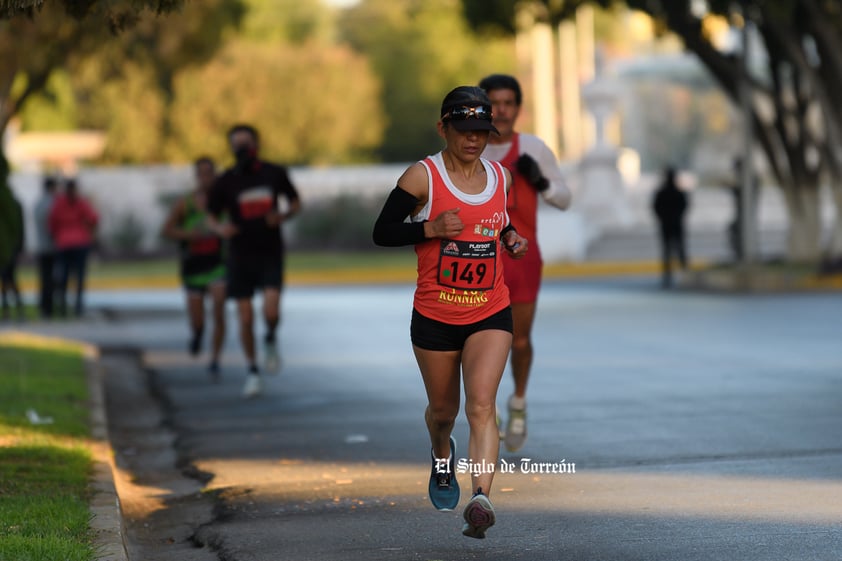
(73, 221)
(461, 327)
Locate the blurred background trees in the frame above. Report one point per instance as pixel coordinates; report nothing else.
(419, 50)
(792, 89)
(791, 86)
(163, 89)
(107, 66)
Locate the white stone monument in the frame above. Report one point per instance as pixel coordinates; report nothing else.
(602, 198)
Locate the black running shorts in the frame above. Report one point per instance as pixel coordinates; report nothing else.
(248, 274)
(435, 335)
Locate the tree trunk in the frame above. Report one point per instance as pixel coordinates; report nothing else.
(833, 249)
(804, 237)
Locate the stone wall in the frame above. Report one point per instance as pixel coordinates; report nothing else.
(139, 195)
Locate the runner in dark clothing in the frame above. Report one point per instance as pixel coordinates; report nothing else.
(202, 264)
(248, 195)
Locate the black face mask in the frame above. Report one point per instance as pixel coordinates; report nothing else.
(245, 159)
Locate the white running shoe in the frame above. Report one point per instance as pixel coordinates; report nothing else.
(253, 386)
(515, 434)
(271, 358)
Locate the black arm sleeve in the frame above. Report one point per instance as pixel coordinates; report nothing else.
(507, 229)
(390, 229)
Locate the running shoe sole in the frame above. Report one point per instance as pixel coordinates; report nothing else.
(479, 517)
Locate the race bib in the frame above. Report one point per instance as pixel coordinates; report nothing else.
(467, 265)
(203, 246)
(255, 202)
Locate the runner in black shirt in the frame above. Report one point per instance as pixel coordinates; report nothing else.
(247, 195)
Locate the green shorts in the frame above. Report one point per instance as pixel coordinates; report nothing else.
(199, 282)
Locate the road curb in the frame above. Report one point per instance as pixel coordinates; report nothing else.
(106, 513)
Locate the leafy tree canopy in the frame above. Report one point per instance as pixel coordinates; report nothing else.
(119, 14)
(165, 94)
(312, 104)
(420, 49)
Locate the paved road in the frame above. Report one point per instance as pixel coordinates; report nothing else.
(701, 427)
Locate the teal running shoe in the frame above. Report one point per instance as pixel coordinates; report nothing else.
(444, 488)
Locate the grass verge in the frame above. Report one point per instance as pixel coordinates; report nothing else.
(45, 465)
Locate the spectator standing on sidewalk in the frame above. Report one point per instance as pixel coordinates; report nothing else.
(535, 172)
(202, 264)
(45, 248)
(248, 196)
(73, 222)
(670, 205)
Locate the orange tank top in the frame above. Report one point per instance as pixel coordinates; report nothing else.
(460, 280)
